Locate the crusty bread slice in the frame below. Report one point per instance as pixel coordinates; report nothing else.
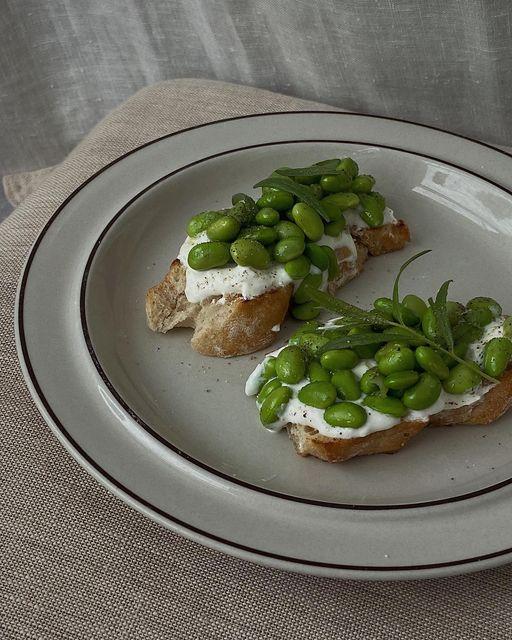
(488, 409)
(237, 326)
(308, 442)
(384, 239)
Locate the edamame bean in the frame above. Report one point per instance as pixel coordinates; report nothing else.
(335, 228)
(401, 380)
(267, 389)
(317, 256)
(346, 200)
(372, 381)
(347, 385)
(396, 358)
(250, 253)
(454, 311)
(424, 393)
(383, 404)
(429, 326)
(274, 404)
(333, 270)
(497, 353)
(244, 209)
(313, 280)
(415, 304)
(298, 267)
(485, 303)
(432, 362)
(461, 379)
(466, 332)
(224, 229)
(287, 229)
(308, 220)
(265, 235)
(362, 184)
(269, 368)
(306, 311)
(312, 343)
(200, 222)
(331, 210)
(238, 198)
(459, 349)
(291, 364)
(316, 373)
(373, 210)
(479, 316)
(385, 305)
(349, 166)
(208, 255)
(267, 217)
(288, 249)
(345, 414)
(333, 184)
(318, 394)
(339, 359)
(275, 199)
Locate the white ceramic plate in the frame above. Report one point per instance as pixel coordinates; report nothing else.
(172, 434)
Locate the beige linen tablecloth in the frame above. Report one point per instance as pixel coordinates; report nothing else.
(75, 562)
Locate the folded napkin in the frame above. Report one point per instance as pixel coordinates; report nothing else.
(76, 562)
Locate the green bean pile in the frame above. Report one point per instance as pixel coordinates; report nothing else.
(296, 209)
(412, 361)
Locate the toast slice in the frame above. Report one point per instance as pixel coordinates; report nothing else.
(233, 326)
(492, 405)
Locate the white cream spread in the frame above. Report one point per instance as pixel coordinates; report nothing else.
(297, 412)
(354, 220)
(245, 281)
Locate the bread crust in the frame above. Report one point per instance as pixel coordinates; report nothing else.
(237, 326)
(308, 442)
(496, 401)
(384, 239)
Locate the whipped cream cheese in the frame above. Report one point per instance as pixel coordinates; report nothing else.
(297, 412)
(245, 281)
(354, 220)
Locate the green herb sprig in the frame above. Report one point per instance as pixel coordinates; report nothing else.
(303, 192)
(326, 168)
(351, 315)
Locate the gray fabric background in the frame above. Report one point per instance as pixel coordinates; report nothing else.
(66, 63)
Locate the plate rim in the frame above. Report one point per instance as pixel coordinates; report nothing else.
(102, 475)
(188, 457)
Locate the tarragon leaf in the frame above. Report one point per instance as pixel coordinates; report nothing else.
(302, 191)
(328, 168)
(397, 312)
(440, 311)
(361, 339)
(349, 312)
